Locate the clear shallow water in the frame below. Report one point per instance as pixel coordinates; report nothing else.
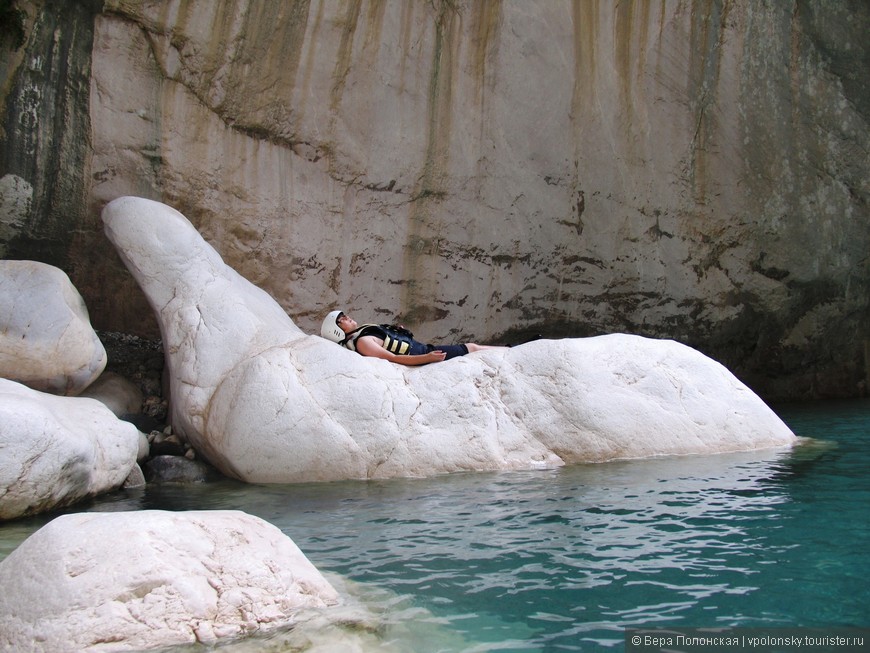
(566, 559)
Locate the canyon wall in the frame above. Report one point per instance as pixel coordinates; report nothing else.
(476, 169)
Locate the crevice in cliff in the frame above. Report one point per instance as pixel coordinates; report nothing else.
(424, 233)
(343, 60)
(707, 38)
(486, 16)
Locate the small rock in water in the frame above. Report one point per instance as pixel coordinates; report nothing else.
(178, 469)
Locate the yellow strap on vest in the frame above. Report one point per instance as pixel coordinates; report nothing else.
(391, 344)
(396, 346)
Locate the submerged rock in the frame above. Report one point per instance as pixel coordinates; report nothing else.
(178, 469)
(59, 450)
(46, 338)
(136, 580)
(267, 403)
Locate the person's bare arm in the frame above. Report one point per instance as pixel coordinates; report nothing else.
(368, 346)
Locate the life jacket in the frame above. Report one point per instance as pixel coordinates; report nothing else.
(397, 340)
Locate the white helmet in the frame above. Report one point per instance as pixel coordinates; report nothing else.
(330, 329)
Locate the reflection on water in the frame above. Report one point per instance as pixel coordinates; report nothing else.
(566, 559)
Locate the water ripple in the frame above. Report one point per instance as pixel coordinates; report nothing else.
(566, 559)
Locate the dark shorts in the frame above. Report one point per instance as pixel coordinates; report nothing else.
(452, 351)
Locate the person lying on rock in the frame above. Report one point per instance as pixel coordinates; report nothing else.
(389, 341)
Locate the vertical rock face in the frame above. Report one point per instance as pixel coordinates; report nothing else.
(46, 127)
(483, 170)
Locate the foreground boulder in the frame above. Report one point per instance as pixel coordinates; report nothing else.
(137, 580)
(46, 338)
(267, 403)
(55, 451)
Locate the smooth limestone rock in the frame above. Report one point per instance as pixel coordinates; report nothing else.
(120, 395)
(123, 398)
(46, 338)
(138, 580)
(267, 403)
(55, 451)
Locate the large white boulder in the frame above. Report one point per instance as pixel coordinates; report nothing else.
(126, 581)
(55, 451)
(46, 338)
(267, 403)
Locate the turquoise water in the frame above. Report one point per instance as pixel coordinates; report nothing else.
(565, 560)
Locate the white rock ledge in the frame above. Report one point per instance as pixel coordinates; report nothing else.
(267, 403)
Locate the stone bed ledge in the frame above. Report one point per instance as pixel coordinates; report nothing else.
(267, 403)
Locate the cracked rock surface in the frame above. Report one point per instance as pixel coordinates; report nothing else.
(55, 451)
(138, 580)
